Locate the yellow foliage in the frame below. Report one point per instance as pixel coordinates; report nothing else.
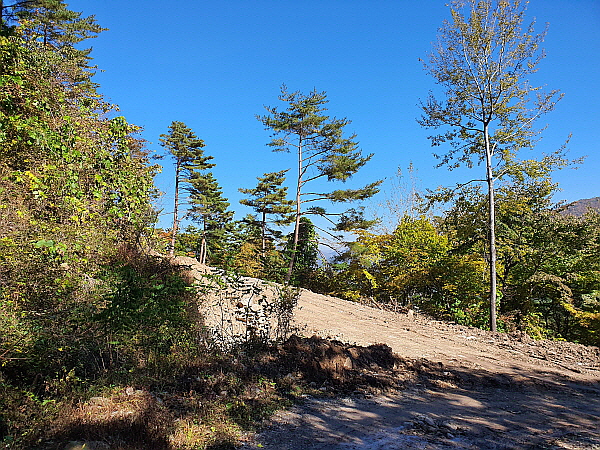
(247, 261)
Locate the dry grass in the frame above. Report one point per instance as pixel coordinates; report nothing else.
(211, 403)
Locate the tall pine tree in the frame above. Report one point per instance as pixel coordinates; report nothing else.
(188, 155)
(209, 209)
(321, 152)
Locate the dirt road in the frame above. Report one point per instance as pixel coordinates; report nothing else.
(502, 391)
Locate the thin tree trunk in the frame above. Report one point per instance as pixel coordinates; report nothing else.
(203, 244)
(263, 230)
(288, 276)
(492, 228)
(203, 251)
(175, 212)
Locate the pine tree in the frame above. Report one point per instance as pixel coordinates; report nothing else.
(51, 25)
(187, 151)
(9, 10)
(305, 252)
(269, 198)
(209, 209)
(321, 150)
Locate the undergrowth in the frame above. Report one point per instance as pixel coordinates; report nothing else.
(123, 363)
(203, 401)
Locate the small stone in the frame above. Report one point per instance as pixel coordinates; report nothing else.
(75, 445)
(429, 421)
(89, 445)
(449, 426)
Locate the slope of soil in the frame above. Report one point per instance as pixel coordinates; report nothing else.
(479, 390)
(413, 336)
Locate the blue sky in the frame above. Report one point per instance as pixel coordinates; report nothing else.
(213, 65)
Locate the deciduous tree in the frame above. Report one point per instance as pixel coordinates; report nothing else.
(483, 60)
(547, 261)
(75, 197)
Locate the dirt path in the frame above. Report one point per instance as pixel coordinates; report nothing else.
(505, 391)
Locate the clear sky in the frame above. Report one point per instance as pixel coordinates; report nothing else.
(214, 64)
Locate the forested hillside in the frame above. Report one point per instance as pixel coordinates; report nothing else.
(79, 301)
(582, 207)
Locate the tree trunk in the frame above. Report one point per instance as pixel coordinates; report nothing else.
(203, 250)
(288, 276)
(263, 230)
(492, 228)
(175, 213)
(203, 244)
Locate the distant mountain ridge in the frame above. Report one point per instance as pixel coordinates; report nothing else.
(580, 207)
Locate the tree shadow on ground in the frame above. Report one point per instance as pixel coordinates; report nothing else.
(436, 406)
(358, 396)
(129, 420)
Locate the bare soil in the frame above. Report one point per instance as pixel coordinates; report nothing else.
(446, 387)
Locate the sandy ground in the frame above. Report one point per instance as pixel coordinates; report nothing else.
(504, 391)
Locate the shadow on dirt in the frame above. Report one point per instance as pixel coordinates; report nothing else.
(428, 405)
(360, 397)
(129, 420)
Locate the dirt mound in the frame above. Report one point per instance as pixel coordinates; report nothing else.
(333, 359)
(335, 367)
(464, 349)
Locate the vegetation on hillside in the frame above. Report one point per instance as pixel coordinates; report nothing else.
(581, 207)
(80, 304)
